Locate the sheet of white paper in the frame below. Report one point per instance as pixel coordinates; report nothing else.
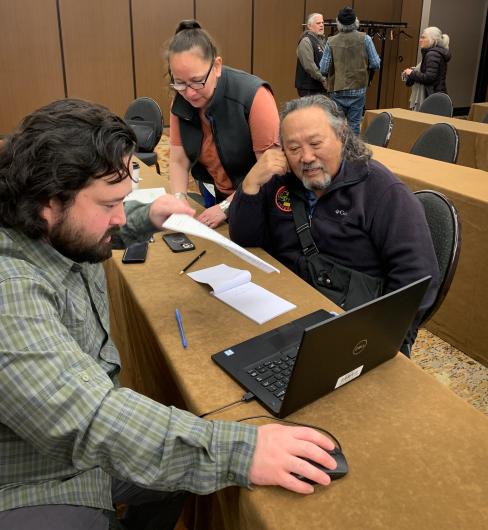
(255, 302)
(221, 277)
(146, 196)
(184, 223)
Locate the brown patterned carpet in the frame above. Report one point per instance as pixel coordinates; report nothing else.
(463, 375)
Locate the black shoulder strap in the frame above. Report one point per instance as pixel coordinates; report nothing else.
(302, 225)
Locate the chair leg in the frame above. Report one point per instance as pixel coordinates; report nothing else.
(157, 167)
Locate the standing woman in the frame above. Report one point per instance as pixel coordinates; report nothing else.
(221, 119)
(434, 46)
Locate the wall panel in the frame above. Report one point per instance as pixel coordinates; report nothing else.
(230, 24)
(98, 51)
(31, 73)
(277, 28)
(104, 61)
(464, 23)
(407, 51)
(328, 8)
(154, 23)
(380, 11)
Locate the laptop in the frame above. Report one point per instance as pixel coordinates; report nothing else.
(292, 365)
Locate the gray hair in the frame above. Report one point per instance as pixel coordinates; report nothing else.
(349, 27)
(436, 37)
(353, 148)
(312, 16)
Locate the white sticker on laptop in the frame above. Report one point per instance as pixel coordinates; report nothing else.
(350, 376)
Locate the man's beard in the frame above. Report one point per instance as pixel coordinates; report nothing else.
(315, 183)
(73, 244)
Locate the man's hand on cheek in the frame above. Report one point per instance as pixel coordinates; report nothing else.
(272, 162)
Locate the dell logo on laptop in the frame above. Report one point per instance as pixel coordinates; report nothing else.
(360, 347)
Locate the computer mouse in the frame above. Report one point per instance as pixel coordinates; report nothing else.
(341, 469)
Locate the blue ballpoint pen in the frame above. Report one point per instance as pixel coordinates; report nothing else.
(180, 327)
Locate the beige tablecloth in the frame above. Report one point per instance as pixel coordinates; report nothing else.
(463, 317)
(416, 451)
(478, 111)
(409, 125)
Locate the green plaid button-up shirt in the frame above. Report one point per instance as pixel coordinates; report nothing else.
(65, 427)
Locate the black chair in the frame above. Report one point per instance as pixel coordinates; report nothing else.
(146, 119)
(485, 118)
(445, 229)
(438, 103)
(378, 132)
(439, 142)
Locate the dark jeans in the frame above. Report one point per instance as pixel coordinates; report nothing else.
(148, 510)
(210, 200)
(352, 106)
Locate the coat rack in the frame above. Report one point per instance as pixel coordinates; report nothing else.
(381, 31)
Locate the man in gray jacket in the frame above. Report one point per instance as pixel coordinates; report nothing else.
(308, 79)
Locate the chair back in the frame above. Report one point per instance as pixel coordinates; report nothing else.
(438, 103)
(146, 119)
(485, 118)
(445, 229)
(378, 132)
(439, 142)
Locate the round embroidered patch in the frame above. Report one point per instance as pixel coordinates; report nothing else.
(282, 199)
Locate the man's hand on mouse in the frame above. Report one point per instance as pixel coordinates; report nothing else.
(280, 451)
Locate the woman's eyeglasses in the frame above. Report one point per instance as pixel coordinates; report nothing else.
(195, 85)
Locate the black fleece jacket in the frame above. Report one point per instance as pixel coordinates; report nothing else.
(368, 220)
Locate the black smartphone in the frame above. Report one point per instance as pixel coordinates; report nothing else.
(135, 253)
(178, 242)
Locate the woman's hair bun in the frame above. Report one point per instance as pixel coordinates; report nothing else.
(187, 24)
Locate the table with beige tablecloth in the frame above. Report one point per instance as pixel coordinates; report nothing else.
(462, 320)
(478, 111)
(409, 125)
(415, 450)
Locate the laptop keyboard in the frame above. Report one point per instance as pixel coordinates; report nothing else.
(273, 373)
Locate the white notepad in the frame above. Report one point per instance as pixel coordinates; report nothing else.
(235, 288)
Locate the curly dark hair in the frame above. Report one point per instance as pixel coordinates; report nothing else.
(54, 153)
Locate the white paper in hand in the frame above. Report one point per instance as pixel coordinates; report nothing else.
(184, 223)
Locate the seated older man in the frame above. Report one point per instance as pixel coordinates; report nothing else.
(338, 219)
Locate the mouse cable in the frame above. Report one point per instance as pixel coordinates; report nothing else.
(281, 420)
(248, 396)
